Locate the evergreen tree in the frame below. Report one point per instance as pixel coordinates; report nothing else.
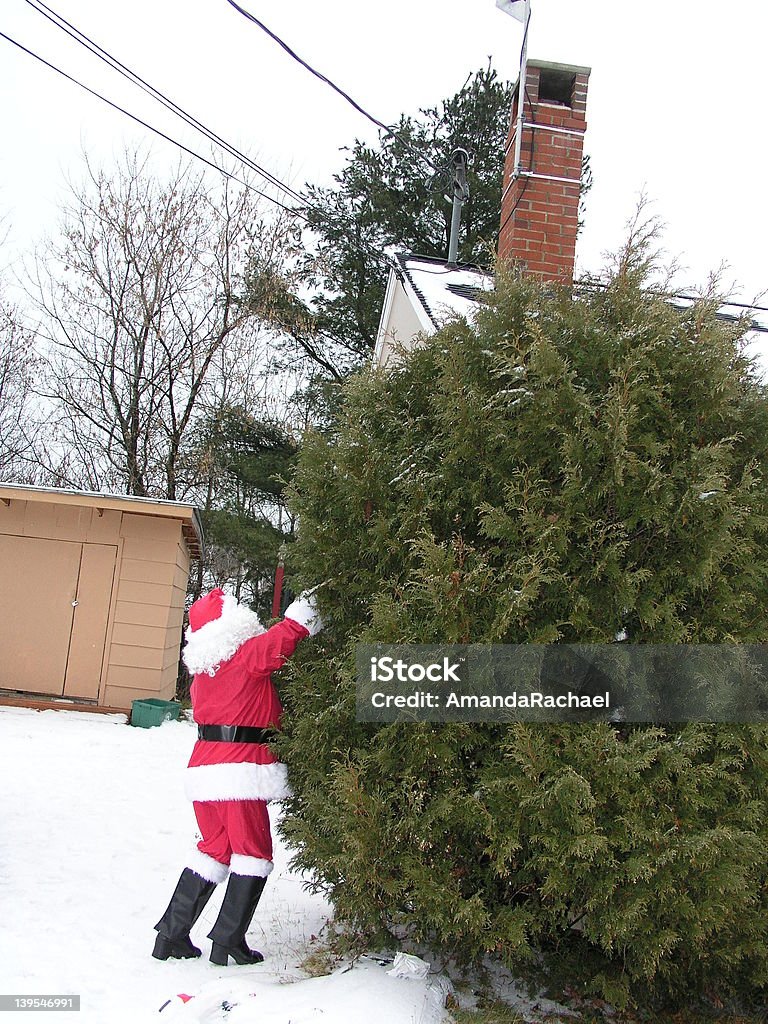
(397, 193)
(566, 467)
(244, 463)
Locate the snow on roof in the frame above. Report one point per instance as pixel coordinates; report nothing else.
(439, 291)
(444, 291)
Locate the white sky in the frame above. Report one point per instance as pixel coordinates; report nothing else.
(676, 101)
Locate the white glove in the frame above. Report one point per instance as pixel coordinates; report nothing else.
(304, 611)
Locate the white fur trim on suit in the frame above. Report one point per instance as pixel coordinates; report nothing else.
(255, 867)
(237, 782)
(206, 648)
(208, 868)
(304, 611)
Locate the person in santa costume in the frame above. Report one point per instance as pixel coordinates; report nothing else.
(232, 772)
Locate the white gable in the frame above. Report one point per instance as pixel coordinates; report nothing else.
(422, 294)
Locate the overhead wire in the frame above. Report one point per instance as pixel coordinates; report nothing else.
(136, 79)
(102, 54)
(367, 247)
(593, 284)
(84, 40)
(379, 253)
(389, 131)
(151, 128)
(293, 211)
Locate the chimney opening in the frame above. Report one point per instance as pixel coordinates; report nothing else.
(556, 87)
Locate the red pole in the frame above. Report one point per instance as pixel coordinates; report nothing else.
(278, 591)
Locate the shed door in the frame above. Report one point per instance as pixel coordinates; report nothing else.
(89, 623)
(51, 642)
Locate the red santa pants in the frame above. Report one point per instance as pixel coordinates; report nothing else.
(239, 827)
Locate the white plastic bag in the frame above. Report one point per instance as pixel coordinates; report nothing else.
(408, 966)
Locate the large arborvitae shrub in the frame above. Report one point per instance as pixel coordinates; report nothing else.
(568, 467)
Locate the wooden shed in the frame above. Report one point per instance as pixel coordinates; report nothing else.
(92, 590)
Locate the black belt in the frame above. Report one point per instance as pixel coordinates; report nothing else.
(235, 734)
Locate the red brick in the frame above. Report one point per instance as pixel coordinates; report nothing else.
(540, 215)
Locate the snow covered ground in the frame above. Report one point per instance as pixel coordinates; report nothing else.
(94, 830)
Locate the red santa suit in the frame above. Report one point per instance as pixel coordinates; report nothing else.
(232, 658)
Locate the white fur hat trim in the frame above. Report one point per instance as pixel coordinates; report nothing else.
(215, 642)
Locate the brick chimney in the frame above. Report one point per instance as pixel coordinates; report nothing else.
(539, 205)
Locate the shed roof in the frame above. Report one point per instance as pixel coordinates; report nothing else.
(190, 518)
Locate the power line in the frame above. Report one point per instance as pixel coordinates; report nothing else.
(103, 55)
(726, 302)
(593, 284)
(151, 128)
(362, 245)
(169, 104)
(327, 81)
(136, 79)
(84, 40)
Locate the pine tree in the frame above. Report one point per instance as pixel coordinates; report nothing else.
(395, 193)
(567, 466)
(243, 463)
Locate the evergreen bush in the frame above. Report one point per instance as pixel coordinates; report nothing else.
(568, 466)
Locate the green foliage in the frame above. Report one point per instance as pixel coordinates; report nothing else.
(393, 194)
(567, 467)
(496, 1014)
(244, 463)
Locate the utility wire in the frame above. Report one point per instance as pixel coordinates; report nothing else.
(233, 177)
(151, 128)
(592, 284)
(136, 79)
(726, 302)
(111, 61)
(103, 55)
(327, 81)
(365, 246)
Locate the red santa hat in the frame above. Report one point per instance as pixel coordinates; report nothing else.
(218, 626)
(206, 609)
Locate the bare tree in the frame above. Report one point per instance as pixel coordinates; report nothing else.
(19, 365)
(139, 299)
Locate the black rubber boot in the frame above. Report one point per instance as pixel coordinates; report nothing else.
(237, 910)
(187, 903)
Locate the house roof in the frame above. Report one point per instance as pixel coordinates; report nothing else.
(440, 290)
(436, 291)
(191, 525)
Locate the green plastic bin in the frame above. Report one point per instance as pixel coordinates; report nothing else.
(149, 712)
